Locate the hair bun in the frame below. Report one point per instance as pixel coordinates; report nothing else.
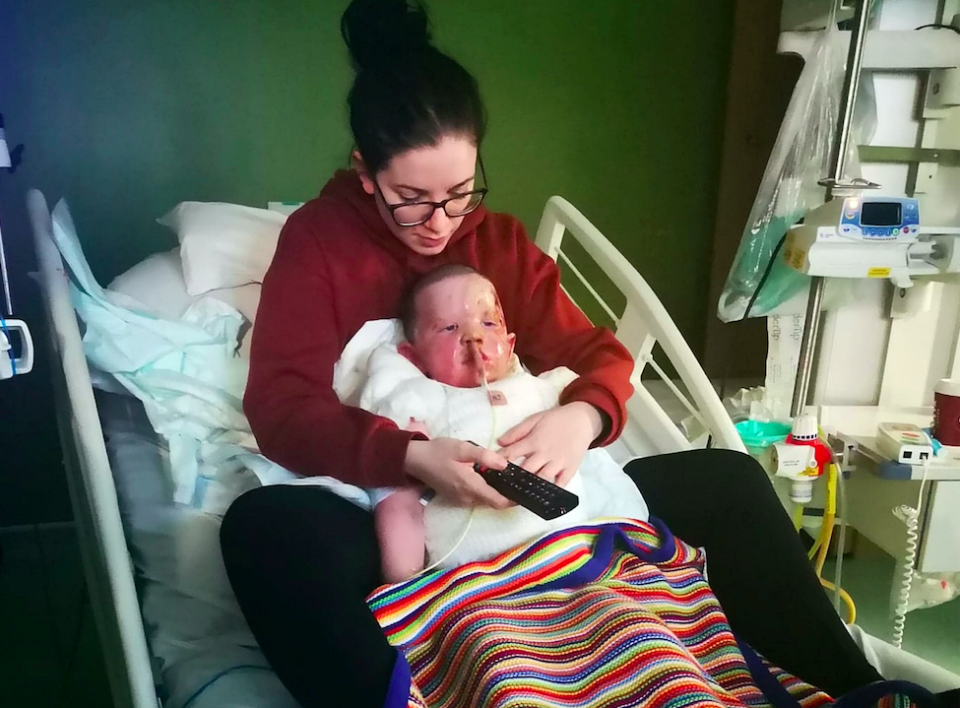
(378, 32)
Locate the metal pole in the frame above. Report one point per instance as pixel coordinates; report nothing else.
(838, 157)
(5, 162)
(808, 343)
(848, 96)
(5, 280)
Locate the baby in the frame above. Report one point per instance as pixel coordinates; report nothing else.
(456, 376)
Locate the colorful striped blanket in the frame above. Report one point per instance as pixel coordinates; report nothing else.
(613, 615)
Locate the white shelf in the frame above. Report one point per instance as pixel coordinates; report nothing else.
(940, 469)
(889, 50)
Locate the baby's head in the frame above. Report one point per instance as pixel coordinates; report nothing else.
(455, 329)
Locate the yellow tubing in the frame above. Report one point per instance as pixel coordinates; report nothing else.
(797, 516)
(829, 516)
(826, 535)
(847, 600)
(823, 539)
(832, 489)
(822, 546)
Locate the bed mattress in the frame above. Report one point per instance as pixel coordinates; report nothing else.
(204, 654)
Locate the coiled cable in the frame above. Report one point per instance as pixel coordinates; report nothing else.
(911, 517)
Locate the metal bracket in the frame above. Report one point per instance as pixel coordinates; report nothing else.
(845, 450)
(941, 156)
(856, 183)
(910, 301)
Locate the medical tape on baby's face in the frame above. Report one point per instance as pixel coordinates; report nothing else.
(485, 303)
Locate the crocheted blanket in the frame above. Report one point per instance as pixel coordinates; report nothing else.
(611, 615)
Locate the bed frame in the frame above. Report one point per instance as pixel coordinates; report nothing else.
(107, 566)
(641, 323)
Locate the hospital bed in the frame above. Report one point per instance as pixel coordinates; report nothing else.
(163, 642)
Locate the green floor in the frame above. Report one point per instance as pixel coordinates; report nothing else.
(932, 633)
(49, 650)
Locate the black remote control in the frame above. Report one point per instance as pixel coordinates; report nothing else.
(545, 499)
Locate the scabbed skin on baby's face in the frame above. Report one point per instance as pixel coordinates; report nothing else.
(460, 333)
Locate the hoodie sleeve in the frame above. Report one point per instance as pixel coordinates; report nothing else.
(294, 413)
(552, 331)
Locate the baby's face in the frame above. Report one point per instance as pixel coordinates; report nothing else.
(460, 333)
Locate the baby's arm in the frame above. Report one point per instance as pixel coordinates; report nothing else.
(399, 524)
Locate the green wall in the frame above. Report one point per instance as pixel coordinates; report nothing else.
(130, 107)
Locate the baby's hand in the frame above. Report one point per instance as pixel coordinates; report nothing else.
(417, 426)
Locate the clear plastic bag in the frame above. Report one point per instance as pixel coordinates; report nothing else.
(929, 590)
(800, 158)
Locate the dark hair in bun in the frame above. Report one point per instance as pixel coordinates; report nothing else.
(406, 93)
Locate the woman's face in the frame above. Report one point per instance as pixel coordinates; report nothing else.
(429, 174)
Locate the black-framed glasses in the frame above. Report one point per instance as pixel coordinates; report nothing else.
(416, 213)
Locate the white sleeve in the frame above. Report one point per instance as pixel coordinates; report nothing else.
(558, 378)
(396, 389)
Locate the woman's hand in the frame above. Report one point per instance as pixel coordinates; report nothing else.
(446, 466)
(554, 442)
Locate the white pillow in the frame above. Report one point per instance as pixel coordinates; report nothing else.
(223, 245)
(157, 285)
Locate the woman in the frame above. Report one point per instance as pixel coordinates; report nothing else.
(301, 560)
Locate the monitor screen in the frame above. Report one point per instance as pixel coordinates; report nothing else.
(880, 214)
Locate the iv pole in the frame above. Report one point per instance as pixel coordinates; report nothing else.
(838, 157)
(6, 161)
(5, 280)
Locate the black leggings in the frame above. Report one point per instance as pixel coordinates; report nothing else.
(302, 560)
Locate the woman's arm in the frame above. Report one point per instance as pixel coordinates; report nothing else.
(293, 410)
(552, 331)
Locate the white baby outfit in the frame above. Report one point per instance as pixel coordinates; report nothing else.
(398, 390)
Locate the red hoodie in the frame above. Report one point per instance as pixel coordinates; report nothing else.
(338, 266)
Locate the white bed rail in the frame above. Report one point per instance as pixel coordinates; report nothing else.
(643, 323)
(107, 565)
